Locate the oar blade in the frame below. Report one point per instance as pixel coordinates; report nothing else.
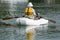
(52, 21)
(6, 18)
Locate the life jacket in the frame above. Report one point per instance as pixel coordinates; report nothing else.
(28, 12)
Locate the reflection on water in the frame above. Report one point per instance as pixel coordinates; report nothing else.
(18, 32)
(42, 27)
(14, 32)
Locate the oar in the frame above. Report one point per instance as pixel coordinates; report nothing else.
(40, 16)
(7, 18)
(53, 21)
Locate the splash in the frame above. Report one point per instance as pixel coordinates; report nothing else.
(14, 6)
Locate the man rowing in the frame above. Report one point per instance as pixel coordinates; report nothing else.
(29, 11)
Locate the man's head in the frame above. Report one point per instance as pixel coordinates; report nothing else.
(30, 4)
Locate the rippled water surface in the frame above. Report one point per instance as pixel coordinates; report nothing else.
(9, 30)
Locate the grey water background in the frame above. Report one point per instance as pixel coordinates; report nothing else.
(10, 31)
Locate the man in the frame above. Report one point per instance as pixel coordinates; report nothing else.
(29, 11)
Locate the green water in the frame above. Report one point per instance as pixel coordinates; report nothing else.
(9, 30)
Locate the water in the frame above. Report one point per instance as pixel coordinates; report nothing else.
(10, 31)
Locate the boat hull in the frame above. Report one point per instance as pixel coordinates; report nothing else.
(27, 21)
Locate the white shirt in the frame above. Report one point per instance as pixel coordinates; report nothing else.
(34, 13)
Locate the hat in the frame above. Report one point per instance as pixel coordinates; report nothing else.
(30, 4)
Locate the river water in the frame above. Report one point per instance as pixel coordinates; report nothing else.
(9, 30)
